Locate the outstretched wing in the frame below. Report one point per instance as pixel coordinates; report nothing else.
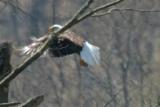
(67, 43)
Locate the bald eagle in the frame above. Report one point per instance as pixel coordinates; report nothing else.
(66, 43)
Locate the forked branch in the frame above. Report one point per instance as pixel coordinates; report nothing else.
(33, 102)
(122, 9)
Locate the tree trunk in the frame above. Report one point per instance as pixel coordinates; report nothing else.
(5, 68)
(4, 94)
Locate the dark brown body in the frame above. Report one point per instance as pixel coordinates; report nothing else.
(67, 43)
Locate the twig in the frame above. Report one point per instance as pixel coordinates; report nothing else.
(105, 6)
(109, 102)
(100, 8)
(104, 13)
(127, 9)
(17, 7)
(33, 102)
(76, 19)
(137, 10)
(9, 104)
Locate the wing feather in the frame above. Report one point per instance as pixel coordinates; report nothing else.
(73, 37)
(67, 43)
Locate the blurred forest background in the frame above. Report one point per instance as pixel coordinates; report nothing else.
(130, 51)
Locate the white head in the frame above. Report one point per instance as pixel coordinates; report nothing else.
(55, 27)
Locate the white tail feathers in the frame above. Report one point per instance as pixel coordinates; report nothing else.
(90, 54)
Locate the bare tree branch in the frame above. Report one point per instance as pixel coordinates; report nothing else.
(112, 99)
(125, 9)
(33, 102)
(53, 35)
(98, 9)
(9, 2)
(74, 19)
(9, 104)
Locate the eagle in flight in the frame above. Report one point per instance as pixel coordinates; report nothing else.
(66, 43)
